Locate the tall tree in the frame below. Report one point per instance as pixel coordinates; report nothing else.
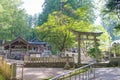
(113, 6)
(56, 31)
(112, 11)
(31, 22)
(110, 17)
(50, 6)
(12, 20)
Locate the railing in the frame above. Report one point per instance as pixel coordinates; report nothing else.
(86, 72)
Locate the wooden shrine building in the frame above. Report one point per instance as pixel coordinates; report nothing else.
(19, 47)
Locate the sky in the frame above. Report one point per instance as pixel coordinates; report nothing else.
(98, 5)
(33, 6)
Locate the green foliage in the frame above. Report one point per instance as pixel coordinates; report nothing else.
(66, 6)
(2, 78)
(115, 49)
(48, 7)
(12, 20)
(105, 38)
(112, 6)
(56, 31)
(91, 52)
(1, 8)
(110, 17)
(31, 23)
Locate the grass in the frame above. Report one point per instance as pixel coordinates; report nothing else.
(1, 77)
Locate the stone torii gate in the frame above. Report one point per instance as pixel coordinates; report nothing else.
(91, 36)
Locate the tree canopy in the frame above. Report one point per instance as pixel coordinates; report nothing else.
(67, 6)
(111, 12)
(54, 24)
(56, 30)
(12, 20)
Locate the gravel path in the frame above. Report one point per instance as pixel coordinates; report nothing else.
(107, 74)
(39, 73)
(43, 73)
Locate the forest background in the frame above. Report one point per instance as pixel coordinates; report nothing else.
(57, 18)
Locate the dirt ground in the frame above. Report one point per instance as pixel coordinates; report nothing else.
(39, 73)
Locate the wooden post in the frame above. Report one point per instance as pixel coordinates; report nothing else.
(73, 60)
(79, 50)
(9, 51)
(22, 66)
(13, 73)
(96, 52)
(27, 50)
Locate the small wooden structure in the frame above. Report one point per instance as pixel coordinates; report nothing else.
(37, 46)
(114, 55)
(81, 36)
(20, 47)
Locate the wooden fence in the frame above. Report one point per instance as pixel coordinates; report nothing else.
(47, 61)
(7, 69)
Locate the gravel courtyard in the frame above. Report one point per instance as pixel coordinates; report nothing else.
(39, 73)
